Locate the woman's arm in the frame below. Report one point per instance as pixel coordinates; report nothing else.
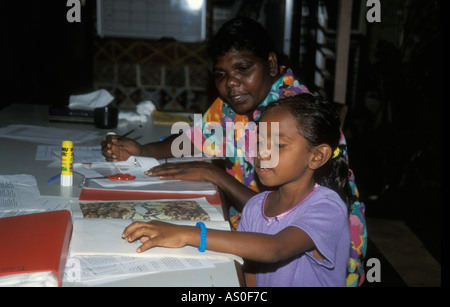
(115, 148)
(237, 192)
(248, 245)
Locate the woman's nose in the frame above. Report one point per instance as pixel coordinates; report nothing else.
(233, 82)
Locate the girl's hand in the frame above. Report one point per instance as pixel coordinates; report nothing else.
(156, 233)
(196, 171)
(115, 149)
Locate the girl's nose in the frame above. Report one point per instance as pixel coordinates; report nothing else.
(264, 153)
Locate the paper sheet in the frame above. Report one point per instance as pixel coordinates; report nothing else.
(135, 166)
(38, 279)
(18, 191)
(81, 154)
(47, 135)
(41, 204)
(96, 269)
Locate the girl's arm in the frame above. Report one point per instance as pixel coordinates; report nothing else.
(248, 245)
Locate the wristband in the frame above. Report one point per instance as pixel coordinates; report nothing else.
(202, 246)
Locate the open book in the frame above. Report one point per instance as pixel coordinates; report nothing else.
(98, 246)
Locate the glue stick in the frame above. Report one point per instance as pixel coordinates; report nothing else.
(67, 163)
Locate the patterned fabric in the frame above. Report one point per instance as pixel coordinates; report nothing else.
(241, 165)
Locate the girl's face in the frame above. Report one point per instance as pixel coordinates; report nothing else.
(294, 155)
(244, 80)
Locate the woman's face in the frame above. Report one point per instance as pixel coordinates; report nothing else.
(244, 80)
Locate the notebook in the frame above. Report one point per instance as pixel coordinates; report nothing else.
(34, 248)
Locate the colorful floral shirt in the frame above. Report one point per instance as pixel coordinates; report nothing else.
(241, 166)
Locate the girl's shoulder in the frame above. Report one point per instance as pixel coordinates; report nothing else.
(256, 201)
(327, 196)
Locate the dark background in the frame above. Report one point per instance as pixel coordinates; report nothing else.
(393, 124)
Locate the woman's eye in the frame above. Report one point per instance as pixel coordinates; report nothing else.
(218, 75)
(244, 68)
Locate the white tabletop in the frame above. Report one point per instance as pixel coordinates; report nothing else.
(18, 157)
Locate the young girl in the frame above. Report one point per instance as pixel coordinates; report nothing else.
(297, 234)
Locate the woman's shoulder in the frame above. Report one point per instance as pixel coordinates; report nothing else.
(215, 110)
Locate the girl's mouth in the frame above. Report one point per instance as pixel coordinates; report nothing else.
(262, 170)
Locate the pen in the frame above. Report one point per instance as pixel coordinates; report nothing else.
(54, 178)
(129, 132)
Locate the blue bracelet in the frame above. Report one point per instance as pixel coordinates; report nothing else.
(202, 246)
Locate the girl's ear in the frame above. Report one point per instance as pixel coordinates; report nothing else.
(273, 64)
(319, 156)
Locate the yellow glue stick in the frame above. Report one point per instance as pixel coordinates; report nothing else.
(67, 163)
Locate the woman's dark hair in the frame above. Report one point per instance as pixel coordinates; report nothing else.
(318, 122)
(242, 34)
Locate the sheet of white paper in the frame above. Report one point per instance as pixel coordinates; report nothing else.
(104, 237)
(38, 279)
(180, 187)
(81, 154)
(135, 166)
(18, 191)
(47, 135)
(95, 269)
(44, 203)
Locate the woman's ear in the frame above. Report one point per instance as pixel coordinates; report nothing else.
(319, 156)
(273, 64)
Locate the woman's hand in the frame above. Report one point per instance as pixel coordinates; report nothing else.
(115, 148)
(196, 171)
(156, 233)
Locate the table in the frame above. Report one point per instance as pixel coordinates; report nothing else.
(18, 157)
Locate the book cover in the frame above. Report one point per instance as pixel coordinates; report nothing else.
(64, 114)
(35, 243)
(88, 194)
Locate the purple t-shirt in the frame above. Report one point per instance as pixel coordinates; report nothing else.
(323, 216)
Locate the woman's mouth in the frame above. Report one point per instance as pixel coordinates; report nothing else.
(238, 99)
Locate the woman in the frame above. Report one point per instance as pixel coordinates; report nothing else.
(248, 77)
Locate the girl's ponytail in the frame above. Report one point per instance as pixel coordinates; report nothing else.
(335, 173)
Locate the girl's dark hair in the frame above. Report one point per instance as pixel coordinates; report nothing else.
(318, 122)
(242, 34)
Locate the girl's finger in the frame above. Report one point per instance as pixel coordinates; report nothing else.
(132, 228)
